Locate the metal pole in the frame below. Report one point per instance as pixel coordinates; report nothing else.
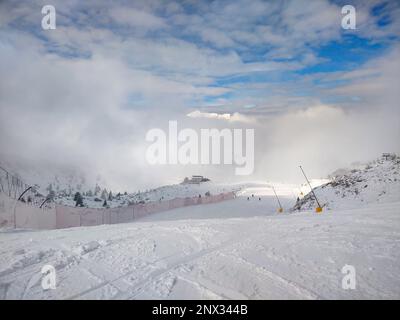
(280, 206)
(310, 186)
(8, 186)
(45, 200)
(11, 185)
(22, 194)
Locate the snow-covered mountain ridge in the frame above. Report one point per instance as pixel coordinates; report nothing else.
(163, 193)
(61, 183)
(374, 182)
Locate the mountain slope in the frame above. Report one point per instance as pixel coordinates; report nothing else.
(375, 182)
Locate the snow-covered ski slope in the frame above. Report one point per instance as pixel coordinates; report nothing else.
(238, 249)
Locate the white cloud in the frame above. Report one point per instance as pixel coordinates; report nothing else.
(136, 18)
(234, 117)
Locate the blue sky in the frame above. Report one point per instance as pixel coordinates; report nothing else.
(239, 43)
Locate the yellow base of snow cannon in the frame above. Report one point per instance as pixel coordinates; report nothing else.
(280, 210)
(318, 209)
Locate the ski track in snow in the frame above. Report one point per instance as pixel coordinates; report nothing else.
(238, 249)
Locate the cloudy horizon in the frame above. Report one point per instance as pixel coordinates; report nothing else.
(86, 93)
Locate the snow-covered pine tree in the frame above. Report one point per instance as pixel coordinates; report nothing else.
(97, 190)
(51, 195)
(104, 194)
(78, 200)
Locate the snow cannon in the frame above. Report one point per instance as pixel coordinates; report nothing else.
(318, 209)
(280, 210)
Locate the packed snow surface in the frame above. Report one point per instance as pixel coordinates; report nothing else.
(237, 249)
